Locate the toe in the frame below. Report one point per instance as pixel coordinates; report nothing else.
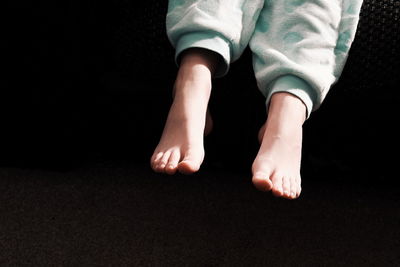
(261, 180)
(155, 159)
(173, 162)
(262, 172)
(163, 162)
(277, 188)
(188, 167)
(298, 186)
(191, 162)
(286, 186)
(293, 187)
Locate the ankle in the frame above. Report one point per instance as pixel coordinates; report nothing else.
(200, 58)
(193, 80)
(285, 107)
(286, 115)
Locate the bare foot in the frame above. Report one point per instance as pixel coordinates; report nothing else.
(277, 164)
(181, 145)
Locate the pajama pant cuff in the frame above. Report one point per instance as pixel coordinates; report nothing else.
(208, 41)
(295, 86)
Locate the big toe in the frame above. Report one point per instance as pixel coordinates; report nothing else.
(191, 162)
(261, 181)
(262, 172)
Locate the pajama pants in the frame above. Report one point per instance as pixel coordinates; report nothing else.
(299, 46)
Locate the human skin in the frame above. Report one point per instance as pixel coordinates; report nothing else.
(276, 167)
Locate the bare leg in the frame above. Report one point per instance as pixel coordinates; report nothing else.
(181, 144)
(277, 165)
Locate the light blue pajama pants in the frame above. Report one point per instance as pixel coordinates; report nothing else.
(299, 46)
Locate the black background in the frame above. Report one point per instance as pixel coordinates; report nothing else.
(85, 92)
(88, 79)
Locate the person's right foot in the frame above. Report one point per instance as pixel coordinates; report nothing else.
(181, 145)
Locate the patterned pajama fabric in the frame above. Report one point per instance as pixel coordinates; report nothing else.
(298, 46)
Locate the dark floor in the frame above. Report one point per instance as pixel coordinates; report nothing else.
(120, 213)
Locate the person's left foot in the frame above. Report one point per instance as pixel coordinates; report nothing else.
(277, 164)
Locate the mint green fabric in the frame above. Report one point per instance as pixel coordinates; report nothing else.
(299, 46)
(228, 24)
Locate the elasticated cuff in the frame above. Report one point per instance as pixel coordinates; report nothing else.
(295, 86)
(208, 41)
